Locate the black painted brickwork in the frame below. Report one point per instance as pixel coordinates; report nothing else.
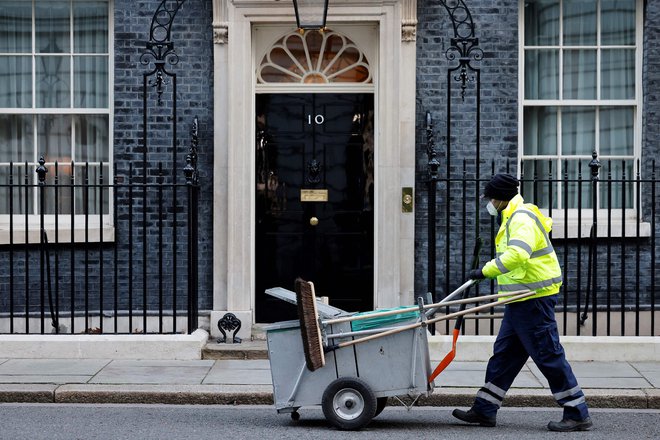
(496, 25)
(193, 42)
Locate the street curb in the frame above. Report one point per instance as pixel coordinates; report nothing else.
(262, 395)
(27, 393)
(164, 394)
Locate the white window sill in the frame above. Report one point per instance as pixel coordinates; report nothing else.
(80, 235)
(560, 230)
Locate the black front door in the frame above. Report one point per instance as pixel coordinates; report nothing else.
(314, 199)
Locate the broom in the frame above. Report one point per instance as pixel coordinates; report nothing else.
(310, 328)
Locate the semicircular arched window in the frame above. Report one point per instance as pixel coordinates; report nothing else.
(314, 57)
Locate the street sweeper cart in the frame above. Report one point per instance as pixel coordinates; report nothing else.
(351, 363)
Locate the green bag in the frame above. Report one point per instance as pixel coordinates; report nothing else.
(384, 321)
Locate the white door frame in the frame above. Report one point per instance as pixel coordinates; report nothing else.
(233, 174)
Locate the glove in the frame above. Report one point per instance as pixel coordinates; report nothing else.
(476, 274)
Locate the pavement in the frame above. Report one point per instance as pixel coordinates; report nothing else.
(239, 374)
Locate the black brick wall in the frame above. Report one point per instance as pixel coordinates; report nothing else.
(193, 42)
(496, 26)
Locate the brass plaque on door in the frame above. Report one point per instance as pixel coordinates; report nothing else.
(313, 195)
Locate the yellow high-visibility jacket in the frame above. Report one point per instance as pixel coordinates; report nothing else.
(525, 256)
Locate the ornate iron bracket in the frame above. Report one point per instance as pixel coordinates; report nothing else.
(464, 46)
(160, 48)
(229, 323)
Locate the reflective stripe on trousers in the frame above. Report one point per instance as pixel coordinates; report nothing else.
(529, 329)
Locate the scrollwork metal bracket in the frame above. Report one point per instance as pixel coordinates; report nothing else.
(228, 323)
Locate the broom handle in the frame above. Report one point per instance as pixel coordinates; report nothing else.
(413, 308)
(441, 318)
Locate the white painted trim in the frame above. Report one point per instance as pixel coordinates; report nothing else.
(81, 346)
(394, 155)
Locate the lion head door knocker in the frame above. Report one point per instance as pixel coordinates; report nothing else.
(313, 171)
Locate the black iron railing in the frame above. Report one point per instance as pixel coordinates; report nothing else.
(605, 235)
(99, 255)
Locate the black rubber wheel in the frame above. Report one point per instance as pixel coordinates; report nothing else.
(381, 403)
(348, 403)
(295, 416)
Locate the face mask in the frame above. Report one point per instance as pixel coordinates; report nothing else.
(492, 210)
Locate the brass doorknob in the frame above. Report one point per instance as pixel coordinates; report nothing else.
(313, 221)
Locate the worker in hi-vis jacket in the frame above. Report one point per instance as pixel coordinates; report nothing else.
(525, 260)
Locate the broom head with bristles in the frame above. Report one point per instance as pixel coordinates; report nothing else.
(309, 324)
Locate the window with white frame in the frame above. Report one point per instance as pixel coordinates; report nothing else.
(55, 101)
(580, 93)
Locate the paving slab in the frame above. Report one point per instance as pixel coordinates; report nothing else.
(476, 379)
(653, 377)
(614, 383)
(2, 361)
(218, 375)
(160, 363)
(603, 369)
(145, 374)
(44, 367)
(463, 366)
(232, 364)
(37, 378)
(646, 366)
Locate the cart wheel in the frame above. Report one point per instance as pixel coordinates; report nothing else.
(381, 403)
(295, 416)
(349, 403)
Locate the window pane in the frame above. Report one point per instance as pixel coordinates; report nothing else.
(617, 22)
(20, 193)
(90, 82)
(542, 74)
(536, 185)
(617, 131)
(16, 81)
(540, 130)
(578, 186)
(52, 26)
(90, 27)
(16, 138)
(542, 22)
(59, 196)
(54, 137)
(617, 74)
(15, 26)
(53, 81)
(579, 23)
(613, 182)
(578, 130)
(91, 138)
(88, 198)
(579, 74)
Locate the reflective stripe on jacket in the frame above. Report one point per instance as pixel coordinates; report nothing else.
(525, 256)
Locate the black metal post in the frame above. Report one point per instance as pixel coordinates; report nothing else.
(192, 183)
(41, 177)
(432, 169)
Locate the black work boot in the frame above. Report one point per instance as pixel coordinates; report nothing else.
(568, 425)
(471, 416)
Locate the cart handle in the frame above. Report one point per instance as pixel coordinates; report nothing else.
(513, 296)
(444, 303)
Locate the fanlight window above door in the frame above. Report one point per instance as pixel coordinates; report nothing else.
(314, 57)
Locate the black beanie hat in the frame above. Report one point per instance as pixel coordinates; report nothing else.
(501, 187)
